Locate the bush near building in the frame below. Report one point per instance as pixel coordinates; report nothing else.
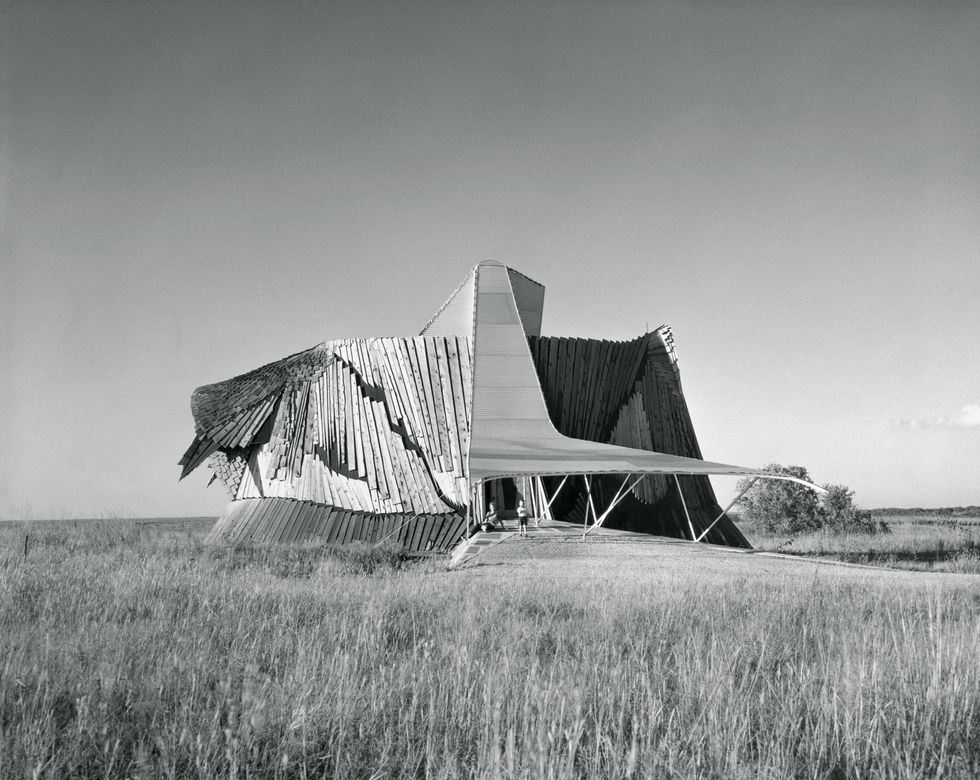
(780, 506)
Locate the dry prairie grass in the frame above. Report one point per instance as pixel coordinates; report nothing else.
(137, 654)
(922, 543)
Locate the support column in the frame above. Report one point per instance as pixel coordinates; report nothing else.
(684, 504)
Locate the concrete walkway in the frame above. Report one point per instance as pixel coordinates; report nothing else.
(466, 551)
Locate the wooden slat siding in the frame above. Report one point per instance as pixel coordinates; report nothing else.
(428, 527)
(324, 417)
(560, 394)
(354, 398)
(447, 380)
(590, 409)
(621, 379)
(387, 481)
(397, 387)
(338, 422)
(368, 525)
(418, 362)
(465, 352)
(588, 349)
(294, 522)
(432, 528)
(277, 514)
(601, 420)
(404, 473)
(349, 522)
(369, 436)
(552, 378)
(587, 405)
(340, 524)
(317, 521)
(391, 444)
(244, 530)
(360, 455)
(350, 429)
(418, 525)
(287, 528)
(444, 399)
(242, 514)
(309, 512)
(356, 522)
(453, 527)
(579, 368)
(351, 500)
(333, 526)
(409, 393)
(386, 525)
(552, 395)
(442, 425)
(568, 384)
(226, 522)
(571, 382)
(560, 366)
(429, 442)
(343, 526)
(405, 533)
(449, 532)
(393, 404)
(373, 524)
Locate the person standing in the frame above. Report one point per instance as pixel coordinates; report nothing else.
(521, 518)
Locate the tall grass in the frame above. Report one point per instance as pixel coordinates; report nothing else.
(919, 543)
(162, 657)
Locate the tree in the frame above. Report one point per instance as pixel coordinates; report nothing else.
(780, 506)
(840, 513)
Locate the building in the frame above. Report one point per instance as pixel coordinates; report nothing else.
(409, 438)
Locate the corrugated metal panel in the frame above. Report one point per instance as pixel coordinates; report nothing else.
(512, 433)
(455, 318)
(506, 391)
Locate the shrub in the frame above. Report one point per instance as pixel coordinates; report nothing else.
(780, 506)
(841, 514)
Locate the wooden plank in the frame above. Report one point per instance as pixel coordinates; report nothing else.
(360, 462)
(276, 521)
(448, 404)
(430, 441)
(435, 385)
(459, 403)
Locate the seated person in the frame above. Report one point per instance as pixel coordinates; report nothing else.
(490, 519)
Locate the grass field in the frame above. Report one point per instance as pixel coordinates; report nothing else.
(135, 650)
(915, 541)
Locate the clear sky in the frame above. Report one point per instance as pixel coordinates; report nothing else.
(191, 190)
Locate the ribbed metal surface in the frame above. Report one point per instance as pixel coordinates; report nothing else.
(506, 394)
(455, 317)
(512, 433)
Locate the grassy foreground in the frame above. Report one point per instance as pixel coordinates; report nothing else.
(127, 653)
